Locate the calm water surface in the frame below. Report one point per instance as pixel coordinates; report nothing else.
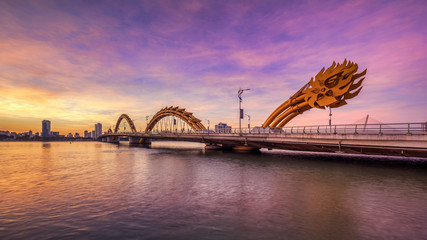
(91, 190)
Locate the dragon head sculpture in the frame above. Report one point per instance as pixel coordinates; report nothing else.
(330, 88)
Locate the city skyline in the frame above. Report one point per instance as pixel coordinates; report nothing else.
(78, 63)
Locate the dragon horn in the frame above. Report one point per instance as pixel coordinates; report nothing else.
(352, 95)
(356, 85)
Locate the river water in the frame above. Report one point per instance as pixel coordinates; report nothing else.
(92, 190)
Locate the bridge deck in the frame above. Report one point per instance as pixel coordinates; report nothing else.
(390, 144)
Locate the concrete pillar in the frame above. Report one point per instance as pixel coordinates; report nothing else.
(146, 142)
(213, 146)
(245, 149)
(113, 139)
(134, 140)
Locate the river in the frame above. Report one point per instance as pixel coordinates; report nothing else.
(93, 190)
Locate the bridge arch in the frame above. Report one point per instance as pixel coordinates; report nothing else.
(185, 116)
(127, 118)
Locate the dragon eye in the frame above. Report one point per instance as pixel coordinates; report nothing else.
(332, 81)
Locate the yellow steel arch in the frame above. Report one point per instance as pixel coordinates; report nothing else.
(330, 88)
(187, 117)
(127, 118)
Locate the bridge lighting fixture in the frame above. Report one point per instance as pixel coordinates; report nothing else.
(208, 124)
(239, 95)
(146, 121)
(249, 124)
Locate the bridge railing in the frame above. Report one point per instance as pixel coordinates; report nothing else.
(387, 128)
(379, 129)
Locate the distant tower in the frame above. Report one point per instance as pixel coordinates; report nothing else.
(98, 130)
(93, 134)
(45, 128)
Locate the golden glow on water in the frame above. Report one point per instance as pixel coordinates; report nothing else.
(97, 190)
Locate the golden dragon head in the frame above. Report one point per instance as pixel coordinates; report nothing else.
(330, 88)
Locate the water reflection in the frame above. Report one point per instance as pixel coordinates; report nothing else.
(97, 190)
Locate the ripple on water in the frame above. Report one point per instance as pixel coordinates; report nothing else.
(95, 190)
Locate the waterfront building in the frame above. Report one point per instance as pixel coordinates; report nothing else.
(86, 134)
(93, 134)
(30, 134)
(77, 135)
(54, 134)
(98, 130)
(7, 133)
(70, 135)
(46, 128)
(222, 128)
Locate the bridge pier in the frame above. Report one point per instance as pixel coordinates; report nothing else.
(134, 140)
(213, 146)
(113, 139)
(245, 149)
(146, 142)
(237, 148)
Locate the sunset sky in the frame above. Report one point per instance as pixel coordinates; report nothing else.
(77, 63)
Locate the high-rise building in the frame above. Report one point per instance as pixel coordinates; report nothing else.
(45, 128)
(93, 134)
(86, 134)
(98, 130)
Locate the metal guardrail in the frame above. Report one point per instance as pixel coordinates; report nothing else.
(378, 129)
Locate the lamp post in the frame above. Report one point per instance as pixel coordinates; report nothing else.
(239, 94)
(249, 124)
(146, 122)
(208, 124)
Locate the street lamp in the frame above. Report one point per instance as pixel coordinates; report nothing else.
(249, 124)
(239, 94)
(146, 122)
(208, 124)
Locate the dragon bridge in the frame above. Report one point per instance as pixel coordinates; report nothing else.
(185, 116)
(330, 88)
(127, 118)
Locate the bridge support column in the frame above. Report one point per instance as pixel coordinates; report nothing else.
(245, 149)
(113, 139)
(134, 140)
(213, 146)
(146, 142)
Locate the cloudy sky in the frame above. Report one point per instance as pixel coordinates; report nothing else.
(77, 63)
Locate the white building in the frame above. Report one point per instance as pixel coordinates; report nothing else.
(222, 128)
